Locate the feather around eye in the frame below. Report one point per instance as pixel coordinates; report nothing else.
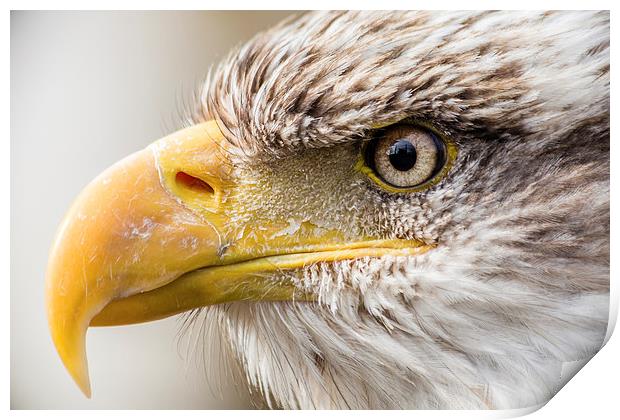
(406, 158)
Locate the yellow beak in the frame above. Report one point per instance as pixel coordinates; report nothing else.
(150, 238)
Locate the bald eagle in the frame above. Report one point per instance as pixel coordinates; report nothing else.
(370, 210)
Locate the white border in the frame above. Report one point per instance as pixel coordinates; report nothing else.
(303, 4)
(592, 393)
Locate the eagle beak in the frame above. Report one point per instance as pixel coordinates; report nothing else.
(152, 237)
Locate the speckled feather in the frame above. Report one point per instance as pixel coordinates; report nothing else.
(518, 282)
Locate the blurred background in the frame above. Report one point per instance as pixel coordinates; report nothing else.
(88, 88)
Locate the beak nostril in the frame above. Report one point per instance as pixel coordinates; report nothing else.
(186, 180)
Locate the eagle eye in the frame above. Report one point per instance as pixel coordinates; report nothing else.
(407, 157)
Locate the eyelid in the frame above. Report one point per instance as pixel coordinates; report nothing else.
(451, 152)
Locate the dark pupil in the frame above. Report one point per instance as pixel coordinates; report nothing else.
(402, 155)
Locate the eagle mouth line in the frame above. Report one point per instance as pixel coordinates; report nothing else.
(243, 280)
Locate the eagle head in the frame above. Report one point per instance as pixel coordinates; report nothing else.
(369, 210)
